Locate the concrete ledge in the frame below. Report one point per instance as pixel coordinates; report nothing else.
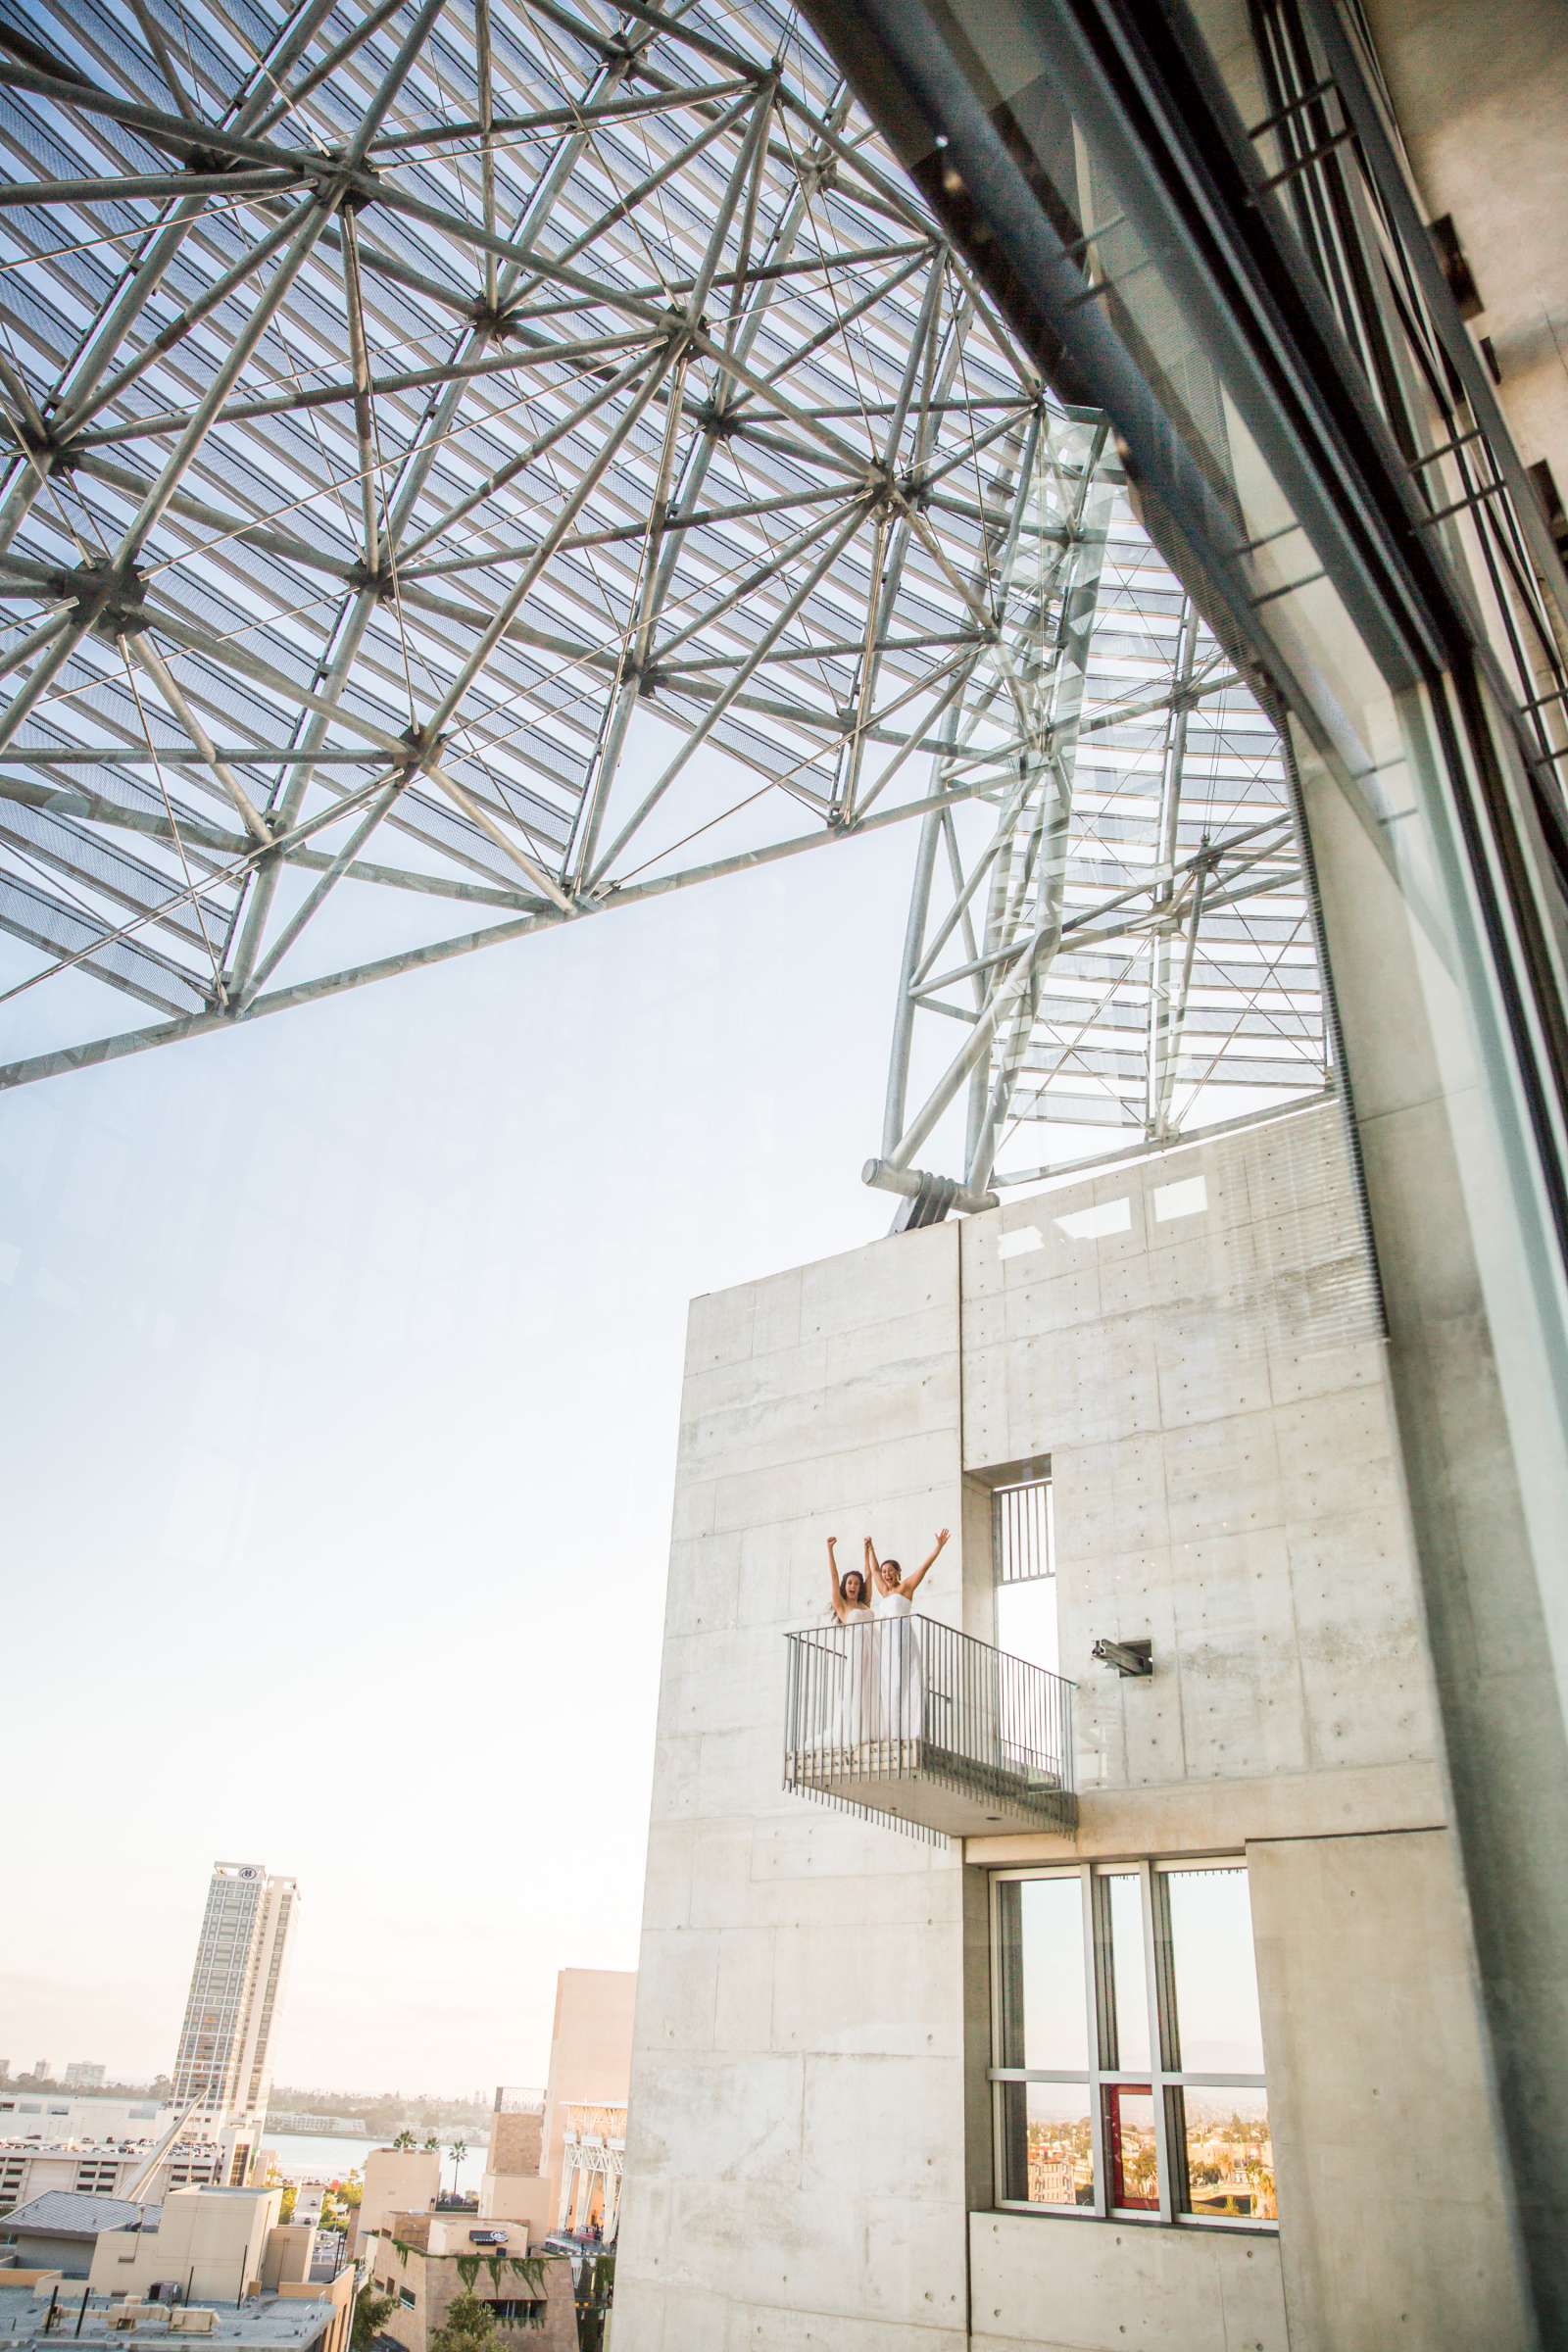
(1198, 1817)
(1043, 2286)
(712, 2324)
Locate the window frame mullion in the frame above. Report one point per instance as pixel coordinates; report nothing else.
(1162, 2048)
(999, 2177)
(1094, 2003)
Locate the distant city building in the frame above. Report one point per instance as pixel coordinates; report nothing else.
(59, 2229)
(593, 2160)
(85, 2073)
(303, 2316)
(34, 2164)
(5, 2070)
(40, 2070)
(553, 2158)
(225, 2056)
(395, 2181)
(531, 2294)
(77, 2115)
(512, 2186)
(415, 2246)
(202, 2240)
(210, 2243)
(289, 2119)
(48, 2114)
(590, 2061)
(210, 2261)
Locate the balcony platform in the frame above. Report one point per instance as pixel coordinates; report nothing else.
(918, 1783)
(994, 1744)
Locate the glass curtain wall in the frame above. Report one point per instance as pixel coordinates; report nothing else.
(1200, 219)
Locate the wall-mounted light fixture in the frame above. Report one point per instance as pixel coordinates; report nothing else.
(1128, 1658)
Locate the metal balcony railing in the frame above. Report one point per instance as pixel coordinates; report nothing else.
(928, 1728)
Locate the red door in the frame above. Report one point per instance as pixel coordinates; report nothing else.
(1133, 2146)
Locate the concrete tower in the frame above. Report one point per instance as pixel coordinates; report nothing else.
(225, 2056)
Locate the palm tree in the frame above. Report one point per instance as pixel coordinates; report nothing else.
(458, 2153)
(405, 2139)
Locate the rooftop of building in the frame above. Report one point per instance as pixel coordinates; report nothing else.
(272, 2323)
(446, 2232)
(409, 2230)
(35, 2144)
(215, 2188)
(72, 2213)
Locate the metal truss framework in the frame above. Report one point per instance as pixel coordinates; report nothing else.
(1118, 919)
(477, 466)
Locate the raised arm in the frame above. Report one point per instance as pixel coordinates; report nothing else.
(907, 1583)
(833, 1573)
(871, 1566)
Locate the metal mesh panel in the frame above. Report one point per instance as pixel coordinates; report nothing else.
(46, 922)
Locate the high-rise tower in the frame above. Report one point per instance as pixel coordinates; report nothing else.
(225, 2056)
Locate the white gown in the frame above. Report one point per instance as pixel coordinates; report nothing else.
(900, 1678)
(857, 1695)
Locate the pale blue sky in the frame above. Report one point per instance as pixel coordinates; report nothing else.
(342, 1369)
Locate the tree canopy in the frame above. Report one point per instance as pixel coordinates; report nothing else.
(372, 2310)
(469, 2326)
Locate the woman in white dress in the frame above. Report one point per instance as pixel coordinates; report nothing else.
(850, 1699)
(899, 1695)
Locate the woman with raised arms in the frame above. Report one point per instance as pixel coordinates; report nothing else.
(899, 1679)
(852, 1691)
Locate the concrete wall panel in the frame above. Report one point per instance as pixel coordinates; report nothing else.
(1088, 2287)
(1220, 1434)
(886, 2105)
(798, 2086)
(1394, 2225)
(1222, 1816)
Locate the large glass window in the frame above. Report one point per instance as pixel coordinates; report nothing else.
(1044, 2025)
(1127, 2048)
